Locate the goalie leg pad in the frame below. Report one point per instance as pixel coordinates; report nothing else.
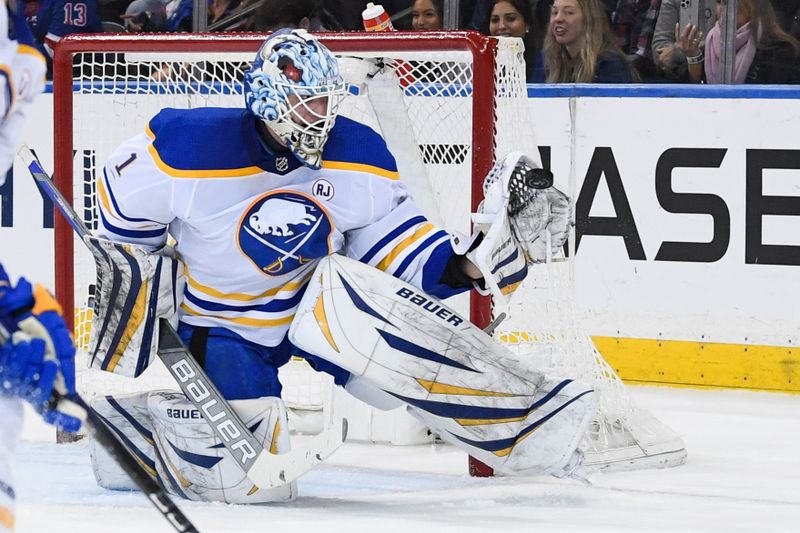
(196, 465)
(473, 391)
(135, 287)
(129, 419)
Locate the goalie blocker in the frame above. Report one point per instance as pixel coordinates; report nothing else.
(474, 392)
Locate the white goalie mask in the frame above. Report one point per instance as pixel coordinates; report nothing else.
(295, 87)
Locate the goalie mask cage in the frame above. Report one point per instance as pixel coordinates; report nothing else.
(448, 104)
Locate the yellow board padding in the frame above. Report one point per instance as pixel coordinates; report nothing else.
(703, 364)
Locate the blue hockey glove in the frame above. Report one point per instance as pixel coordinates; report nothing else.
(36, 313)
(26, 374)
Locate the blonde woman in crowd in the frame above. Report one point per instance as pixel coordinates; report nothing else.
(580, 48)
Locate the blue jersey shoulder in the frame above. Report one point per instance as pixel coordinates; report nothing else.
(355, 146)
(206, 138)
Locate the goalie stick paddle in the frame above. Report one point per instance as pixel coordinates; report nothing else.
(106, 438)
(263, 468)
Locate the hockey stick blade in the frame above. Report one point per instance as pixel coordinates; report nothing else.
(266, 470)
(284, 468)
(106, 438)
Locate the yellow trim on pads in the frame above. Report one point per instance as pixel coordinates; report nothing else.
(361, 167)
(136, 318)
(322, 322)
(706, 364)
(487, 421)
(435, 387)
(215, 173)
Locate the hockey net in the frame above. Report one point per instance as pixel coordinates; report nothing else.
(448, 106)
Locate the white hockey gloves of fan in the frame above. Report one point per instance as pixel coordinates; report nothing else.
(523, 220)
(135, 287)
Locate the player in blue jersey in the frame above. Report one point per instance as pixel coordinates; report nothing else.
(59, 18)
(254, 205)
(39, 347)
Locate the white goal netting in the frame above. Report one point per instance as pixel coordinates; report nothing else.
(447, 106)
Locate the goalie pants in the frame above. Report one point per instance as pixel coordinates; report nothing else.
(242, 369)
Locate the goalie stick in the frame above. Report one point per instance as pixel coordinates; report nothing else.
(263, 468)
(78, 407)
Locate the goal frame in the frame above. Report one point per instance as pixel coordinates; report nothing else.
(483, 50)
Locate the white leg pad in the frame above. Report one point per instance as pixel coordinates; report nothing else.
(194, 462)
(169, 438)
(129, 418)
(472, 391)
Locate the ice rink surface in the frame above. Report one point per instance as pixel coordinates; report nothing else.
(742, 474)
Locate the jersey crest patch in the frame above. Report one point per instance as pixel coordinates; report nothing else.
(284, 230)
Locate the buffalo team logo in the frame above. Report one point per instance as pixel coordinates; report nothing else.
(284, 230)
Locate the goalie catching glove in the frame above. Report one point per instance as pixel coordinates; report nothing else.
(522, 220)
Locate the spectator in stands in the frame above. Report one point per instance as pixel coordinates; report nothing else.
(427, 15)
(275, 14)
(514, 18)
(788, 12)
(692, 19)
(580, 48)
(627, 18)
(765, 53)
(111, 11)
(145, 16)
(641, 53)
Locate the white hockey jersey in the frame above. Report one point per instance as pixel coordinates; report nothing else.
(22, 73)
(251, 223)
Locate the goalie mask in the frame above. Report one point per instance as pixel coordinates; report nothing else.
(295, 87)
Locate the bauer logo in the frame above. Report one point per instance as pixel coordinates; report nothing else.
(284, 230)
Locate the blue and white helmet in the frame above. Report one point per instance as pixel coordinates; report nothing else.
(295, 87)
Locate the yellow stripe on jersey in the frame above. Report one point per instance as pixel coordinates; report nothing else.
(30, 50)
(241, 297)
(405, 243)
(216, 173)
(12, 91)
(243, 320)
(361, 167)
